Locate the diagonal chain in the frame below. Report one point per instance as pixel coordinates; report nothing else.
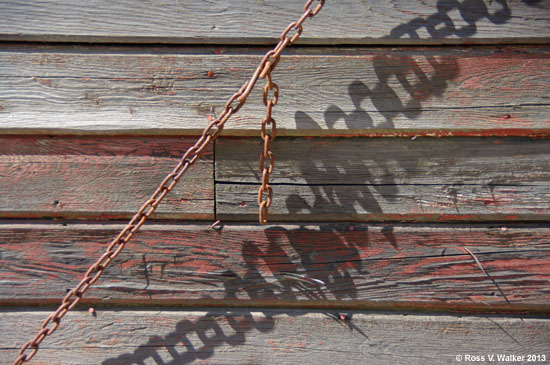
(210, 133)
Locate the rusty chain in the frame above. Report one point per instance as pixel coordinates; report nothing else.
(210, 133)
(267, 154)
(271, 60)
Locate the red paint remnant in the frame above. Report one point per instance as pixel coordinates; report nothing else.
(299, 345)
(322, 143)
(498, 141)
(47, 82)
(210, 118)
(436, 267)
(210, 74)
(243, 204)
(346, 265)
(1, 107)
(112, 342)
(538, 268)
(171, 93)
(182, 201)
(202, 266)
(507, 116)
(496, 132)
(219, 51)
(85, 78)
(351, 228)
(454, 217)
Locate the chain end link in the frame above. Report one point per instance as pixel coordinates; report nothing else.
(263, 213)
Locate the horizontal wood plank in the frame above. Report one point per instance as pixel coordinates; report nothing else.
(388, 179)
(486, 90)
(389, 161)
(241, 336)
(387, 203)
(359, 265)
(99, 177)
(252, 22)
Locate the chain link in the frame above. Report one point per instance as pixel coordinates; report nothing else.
(265, 69)
(267, 154)
(210, 133)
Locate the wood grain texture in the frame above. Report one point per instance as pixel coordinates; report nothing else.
(388, 179)
(271, 337)
(99, 177)
(253, 22)
(485, 90)
(389, 161)
(411, 203)
(362, 266)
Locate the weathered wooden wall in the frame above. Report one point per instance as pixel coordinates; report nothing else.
(412, 141)
(269, 336)
(251, 21)
(330, 91)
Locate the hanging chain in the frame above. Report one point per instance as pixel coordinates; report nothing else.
(273, 58)
(210, 133)
(267, 154)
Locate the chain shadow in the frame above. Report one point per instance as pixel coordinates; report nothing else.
(383, 96)
(180, 344)
(331, 262)
(272, 267)
(197, 340)
(418, 84)
(284, 265)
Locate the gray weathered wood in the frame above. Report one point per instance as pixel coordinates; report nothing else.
(388, 179)
(322, 90)
(193, 56)
(99, 177)
(249, 21)
(388, 202)
(389, 161)
(271, 337)
(362, 266)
